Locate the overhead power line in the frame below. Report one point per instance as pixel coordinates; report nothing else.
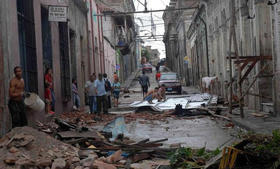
(149, 36)
(160, 10)
(151, 25)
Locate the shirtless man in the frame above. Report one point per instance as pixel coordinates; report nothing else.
(16, 105)
(151, 95)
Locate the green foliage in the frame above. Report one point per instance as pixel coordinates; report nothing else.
(145, 53)
(201, 152)
(216, 152)
(263, 144)
(179, 155)
(187, 158)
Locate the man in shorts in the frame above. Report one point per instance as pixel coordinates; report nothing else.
(16, 104)
(145, 83)
(151, 95)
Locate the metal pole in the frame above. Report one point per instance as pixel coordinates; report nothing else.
(207, 52)
(239, 83)
(230, 63)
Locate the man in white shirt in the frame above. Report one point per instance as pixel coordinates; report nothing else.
(101, 94)
(91, 92)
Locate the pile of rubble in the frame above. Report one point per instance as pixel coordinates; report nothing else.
(28, 148)
(60, 145)
(86, 119)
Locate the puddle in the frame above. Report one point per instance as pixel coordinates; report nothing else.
(189, 133)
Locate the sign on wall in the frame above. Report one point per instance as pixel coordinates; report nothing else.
(186, 60)
(58, 13)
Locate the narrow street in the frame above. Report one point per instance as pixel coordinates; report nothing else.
(213, 100)
(195, 132)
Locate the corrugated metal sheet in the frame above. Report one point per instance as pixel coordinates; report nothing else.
(189, 101)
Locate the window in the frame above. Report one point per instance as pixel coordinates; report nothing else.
(73, 53)
(64, 61)
(168, 77)
(27, 44)
(46, 39)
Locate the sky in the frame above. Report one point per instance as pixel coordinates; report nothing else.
(144, 21)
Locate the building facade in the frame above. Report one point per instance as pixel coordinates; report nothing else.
(175, 38)
(73, 49)
(208, 39)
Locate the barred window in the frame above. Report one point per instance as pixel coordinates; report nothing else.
(64, 61)
(27, 44)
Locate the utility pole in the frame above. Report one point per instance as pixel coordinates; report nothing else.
(239, 83)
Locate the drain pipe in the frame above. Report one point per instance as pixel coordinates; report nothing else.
(207, 52)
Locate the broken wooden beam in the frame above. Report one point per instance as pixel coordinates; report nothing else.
(249, 57)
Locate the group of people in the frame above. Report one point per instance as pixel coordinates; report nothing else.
(157, 93)
(99, 92)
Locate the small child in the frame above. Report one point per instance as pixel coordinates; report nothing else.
(158, 76)
(48, 98)
(116, 91)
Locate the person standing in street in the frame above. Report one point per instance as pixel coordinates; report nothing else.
(157, 67)
(101, 95)
(115, 76)
(76, 97)
(145, 83)
(108, 89)
(91, 92)
(48, 98)
(158, 76)
(49, 81)
(16, 100)
(116, 92)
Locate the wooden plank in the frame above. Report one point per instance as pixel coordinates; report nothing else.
(244, 65)
(140, 157)
(250, 57)
(158, 141)
(248, 71)
(245, 60)
(142, 141)
(73, 134)
(254, 80)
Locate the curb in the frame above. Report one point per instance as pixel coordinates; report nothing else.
(241, 125)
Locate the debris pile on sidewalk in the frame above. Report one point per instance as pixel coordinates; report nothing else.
(255, 151)
(188, 158)
(28, 148)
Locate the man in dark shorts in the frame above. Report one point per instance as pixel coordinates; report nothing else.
(16, 104)
(151, 95)
(145, 83)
